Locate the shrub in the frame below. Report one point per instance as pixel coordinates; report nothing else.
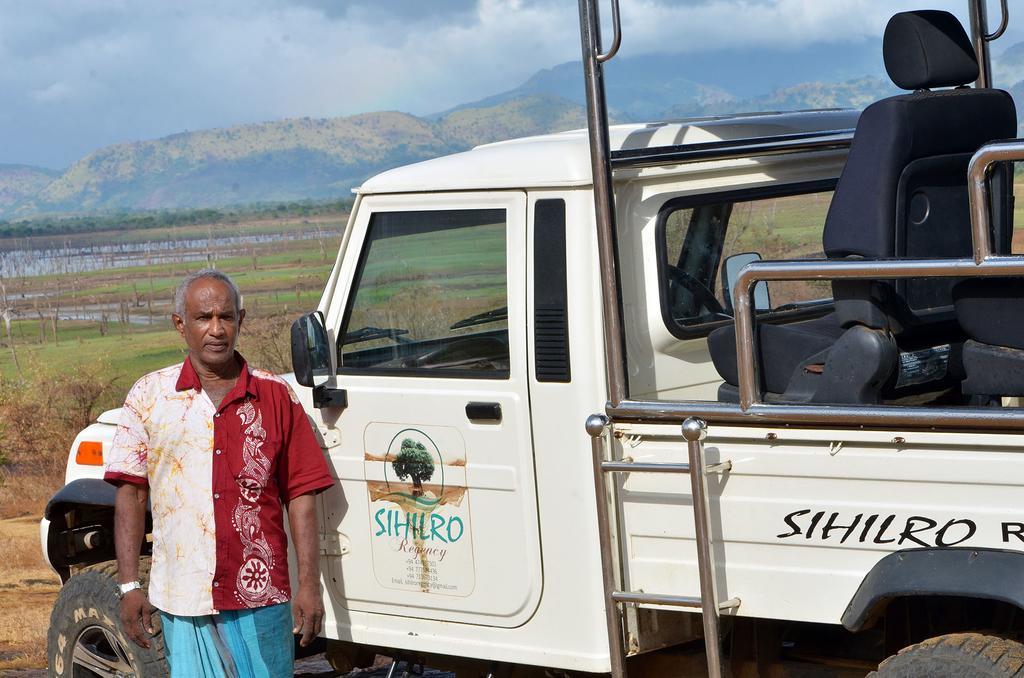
(266, 341)
(40, 414)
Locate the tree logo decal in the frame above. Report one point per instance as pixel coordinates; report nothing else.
(417, 460)
(413, 461)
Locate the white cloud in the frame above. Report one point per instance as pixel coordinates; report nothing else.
(53, 93)
(780, 23)
(78, 74)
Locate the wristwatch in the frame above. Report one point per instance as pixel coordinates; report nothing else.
(125, 589)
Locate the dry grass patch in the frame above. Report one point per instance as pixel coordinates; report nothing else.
(39, 417)
(40, 414)
(26, 494)
(27, 590)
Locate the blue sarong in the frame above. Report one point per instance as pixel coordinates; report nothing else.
(255, 643)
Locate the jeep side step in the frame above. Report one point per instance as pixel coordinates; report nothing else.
(694, 430)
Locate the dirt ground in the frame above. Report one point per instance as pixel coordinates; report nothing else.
(27, 591)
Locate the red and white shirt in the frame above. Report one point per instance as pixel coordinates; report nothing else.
(217, 477)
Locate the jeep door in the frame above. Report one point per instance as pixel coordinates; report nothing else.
(435, 513)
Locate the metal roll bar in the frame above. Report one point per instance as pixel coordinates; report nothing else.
(984, 264)
(840, 270)
(820, 416)
(978, 172)
(980, 36)
(750, 409)
(604, 199)
(979, 28)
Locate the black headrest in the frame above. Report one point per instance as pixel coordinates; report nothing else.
(928, 48)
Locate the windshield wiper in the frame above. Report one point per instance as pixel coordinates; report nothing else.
(370, 333)
(493, 315)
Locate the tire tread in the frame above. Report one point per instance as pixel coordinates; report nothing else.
(95, 586)
(956, 654)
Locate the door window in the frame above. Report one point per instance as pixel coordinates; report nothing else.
(430, 296)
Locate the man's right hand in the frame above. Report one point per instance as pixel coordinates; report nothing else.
(137, 617)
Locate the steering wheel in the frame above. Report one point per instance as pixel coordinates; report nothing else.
(702, 293)
(461, 350)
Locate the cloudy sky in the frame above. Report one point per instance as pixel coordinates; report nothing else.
(76, 75)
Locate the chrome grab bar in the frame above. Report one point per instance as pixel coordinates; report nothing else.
(989, 37)
(616, 36)
(978, 171)
(878, 269)
(978, 12)
(988, 419)
(984, 264)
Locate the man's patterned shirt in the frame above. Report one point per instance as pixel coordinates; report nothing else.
(217, 477)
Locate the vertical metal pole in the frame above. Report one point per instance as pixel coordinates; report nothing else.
(978, 196)
(598, 426)
(604, 198)
(695, 430)
(746, 346)
(979, 29)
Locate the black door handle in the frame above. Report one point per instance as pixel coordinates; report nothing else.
(484, 411)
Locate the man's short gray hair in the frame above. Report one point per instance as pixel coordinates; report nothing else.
(206, 273)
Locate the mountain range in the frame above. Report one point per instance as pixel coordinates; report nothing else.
(314, 159)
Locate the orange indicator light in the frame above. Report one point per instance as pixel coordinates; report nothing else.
(90, 453)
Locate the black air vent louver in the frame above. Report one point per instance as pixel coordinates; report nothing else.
(552, 344)
(550, 304)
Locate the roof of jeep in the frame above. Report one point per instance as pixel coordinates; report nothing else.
(563, 159)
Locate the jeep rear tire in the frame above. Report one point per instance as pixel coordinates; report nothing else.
(956, 655)
(86, 639)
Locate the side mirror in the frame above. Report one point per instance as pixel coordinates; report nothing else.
(311, 360)
(731, 270)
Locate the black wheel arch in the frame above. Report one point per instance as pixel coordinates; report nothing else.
(979, 573)
(81, 492)
(81, 530)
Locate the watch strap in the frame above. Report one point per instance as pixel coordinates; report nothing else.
(126, 588)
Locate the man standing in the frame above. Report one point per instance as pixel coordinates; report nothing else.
(217, 448)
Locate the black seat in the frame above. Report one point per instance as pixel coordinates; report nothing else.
(991, 312)
(902, 194)
(784, 349)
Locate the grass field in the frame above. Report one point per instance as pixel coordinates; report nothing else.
(277, 279)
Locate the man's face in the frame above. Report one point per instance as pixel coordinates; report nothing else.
(210, 326)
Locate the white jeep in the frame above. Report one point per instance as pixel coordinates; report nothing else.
(741, 389)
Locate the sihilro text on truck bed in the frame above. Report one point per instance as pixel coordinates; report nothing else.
(726, 395)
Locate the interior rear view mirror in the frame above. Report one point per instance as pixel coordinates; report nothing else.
(731, 270)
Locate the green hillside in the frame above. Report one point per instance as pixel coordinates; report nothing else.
(276, 161)
(856, 93)
(525, 116)
(19, 182)
(319, 159)
(281, 160)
